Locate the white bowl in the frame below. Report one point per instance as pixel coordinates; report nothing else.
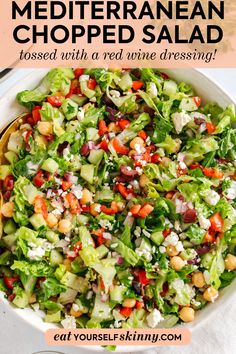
(209, 91)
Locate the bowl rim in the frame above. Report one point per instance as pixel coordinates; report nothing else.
(207, 310)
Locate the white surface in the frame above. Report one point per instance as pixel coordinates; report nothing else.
(217, 334)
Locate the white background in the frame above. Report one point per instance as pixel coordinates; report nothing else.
(217, 335)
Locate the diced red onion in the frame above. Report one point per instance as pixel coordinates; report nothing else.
(104, 297)
(91, 145)
(128, 172)
(203, 249)
(49, 193)
(84, 150)
(95, 288)
(202, 128)
(181, 157)
(129, 220)
(120, 260)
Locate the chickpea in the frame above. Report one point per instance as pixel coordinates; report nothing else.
(64, 226)
(171, 251)
(230, 262)
(67, 264)
(198, 279)
(52, 220)
(94, 209)
(7, 209)
(132, 152)
(177, 263)
(87, 197)
(75, 313)
(32, 299)
(136, 141)
(41, 141)
(165, 161)
(210, 294)
(143, 180)
(45, 128)
(113, 128)
(129, 303)
(187, 314)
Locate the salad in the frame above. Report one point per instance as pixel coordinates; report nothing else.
(118, 200)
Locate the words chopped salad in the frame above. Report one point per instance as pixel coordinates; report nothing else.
(118, 200)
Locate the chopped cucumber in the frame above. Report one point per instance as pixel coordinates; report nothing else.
(15, 142)
(5, 170)
(106, 195)
(126, 82)
(92, 134)
(85, 237)
(87, 173)
(169, 87)
(50, 165)
(101, 310)
(56, 257)
(30, 192)
(52, 236)
(53, 317)
(157, 237)
(9, 227)
(37, 220)
(84, 88)
(102, 251)
(188, 104)
(82, 219)
(69, 108)
(74, 282)
(10, 240)
(60, 271)
(80, 100)
(96, 156)
(117, 293)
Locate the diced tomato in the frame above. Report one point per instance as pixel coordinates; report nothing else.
(209, 237)
(164, 76)
(197, 100)
(78, 72)
(142, 134)
(137, 85)
(85, 208)
(156, 158)
(73, 203)
(27, 135)
(119, 147)
(8, 183)
(134, 210)
(139, 305)
(98, 231)
(126, 311)
(110, 211)
(104, 145)
(102, 127)
(40, 206)
(145, 210)
(142, 277)
(101, 239)
(217, 223)
(11, 297)
(77, 247)
(38, 179)
(66, 185)
(10, 281)
(123, 123)
(210, 127)
(123, 190)
(55, 101)
(36, 115)
(213, 172)
(194, 166)
(92, 83)
(166, 232)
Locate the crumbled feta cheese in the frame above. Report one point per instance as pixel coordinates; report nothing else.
(230, 192)
(89, 295)
(152, 90)
(36, 253)
(179, 246)
(115, 93)
(77, 191)
(182, 165)
(137, 231)
(204, 222)
(107, 235)
(139, 170)
(212, 197)
(177, 226)
(138, 148)
(97, 208)
(84, 78)
(32, 167)
(93, 99)
(146, 233)
(180, 119)
(69, 322)
(171, 239)
(75, 307)
(154, 318)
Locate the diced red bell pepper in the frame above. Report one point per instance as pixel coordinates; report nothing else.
(36, 115)
(27, 135)
(139, 305)
(166, 232)
(104, 145)
(110, 211)
(142, 134)
(73, 203)
(77, 247)
(40, 206)
(123, 190)
(123, 123)
(55, 101)
(156, 158)
(142, 277)
(210, 127)
(137, 85)
(78, 72)
(134, 210)
(92, 83)
(213, 172)
(8, 183)
(119, 147)
(66, 185)
(38, 179)
(126, 311)
(102, 127)
(197, 100)
(217, 223)
(145, 211)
